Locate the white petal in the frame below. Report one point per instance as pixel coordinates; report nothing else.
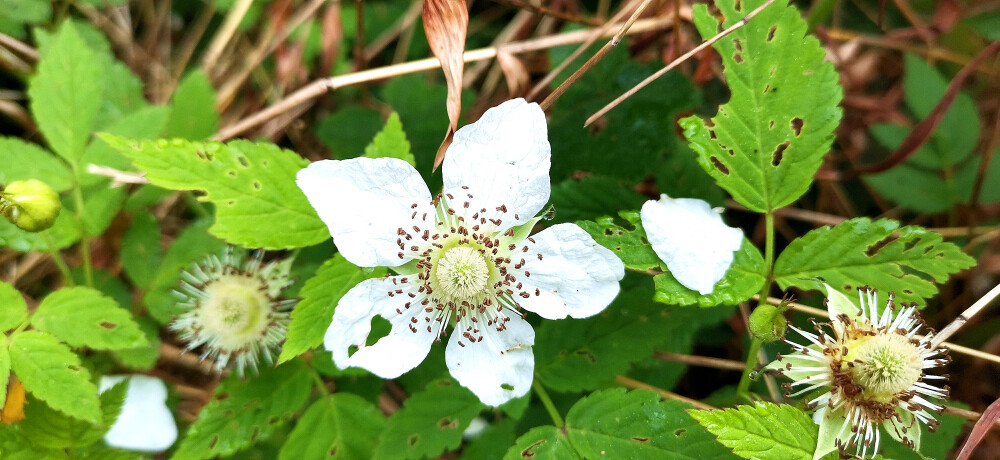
(506, 156)
(403, 349)
(831, 424)
(839, 304)
(145, 423)
(498, 368)
(364, 202)
(575, 276)
(692, 239)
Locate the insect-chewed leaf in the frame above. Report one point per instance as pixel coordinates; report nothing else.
(251, 184)
(341, 425)
(54, 374)
(632, 424)
(82, 317)
(880, 254)
(429, 422)
(766, 143)
(244, 411)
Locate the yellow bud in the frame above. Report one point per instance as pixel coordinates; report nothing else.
(30, 204)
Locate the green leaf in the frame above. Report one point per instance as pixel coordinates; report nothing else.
(341, 425)
(348, 130)
(64, 232)
(145, 357)
(14, 446)
(430, 422)
(54, 374)
(957, 133)
(244, 412)
(767, 142)
(632, 142)
(312, 316)
(583, 354)
(4, 374)
(250, 184)
(46, 427)
(192, 245)
(145, 123)
(141, 251)
(592, 197)
(743, 279)
(66, 93)
(631, 246)
(493, 442)
(391, 142)
(763, 430)
(194, 116)
(83, 317)
(13, 309)
(24, 160)
(123, 92)
(634, 424)
(880, 254)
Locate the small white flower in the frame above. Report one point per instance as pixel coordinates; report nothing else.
(461, 259)
(232, 308)
(145, 423)
(691, 238)
(873, 371)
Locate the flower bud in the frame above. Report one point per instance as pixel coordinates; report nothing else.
(30, 204)
(767, 323)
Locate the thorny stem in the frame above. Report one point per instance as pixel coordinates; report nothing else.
(543, 396)
(58, 259)
(755, 343)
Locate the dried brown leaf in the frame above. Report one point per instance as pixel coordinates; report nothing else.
(990, 416)
(445, 24)
(515, 72)
(333, 35)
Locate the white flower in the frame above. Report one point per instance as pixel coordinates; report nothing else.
(463, 258)
(873, 371)
(145, 423)
(232, 308)
(690, 237)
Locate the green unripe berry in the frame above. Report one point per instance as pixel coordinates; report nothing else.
(30, 204)
(767, 323)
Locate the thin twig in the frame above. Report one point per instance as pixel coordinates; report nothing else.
(551, 99)
(17, 45)
(549, 12)
(675, 63)
(963, 318)
(950, 346)
(635, 384)
(319, 87)
(703, 361)
(224, 34)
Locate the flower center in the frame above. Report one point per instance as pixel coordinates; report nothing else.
(886, 365)
(462, 272)
(234, 307)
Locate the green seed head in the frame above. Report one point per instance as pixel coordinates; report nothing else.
(30, 204)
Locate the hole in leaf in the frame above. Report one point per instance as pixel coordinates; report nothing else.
(586, 354)
(847, 287)
(770, 32)
(507, 386)
(640, 439)
(351, 350)
(797, 126)
(909, 245)
(738, 45)
(644, 240)
(213, 442)
(608, 232)
(527, 453)
(380, 328)
(243, 161)
(711, 134)
(807, 72)
(256, 185)
(767, 88)
(413, 439)
(908, 291)
(732, 153)
(738, 58)
(738, 5)
(718, 165)
(206, 156)
(679, 432)
(108, 326)
(333, 451)
(447, 423)
(778, 154)
(264, 163)
(231, 173)
(770, 125)
(231, 202)
(875, 248)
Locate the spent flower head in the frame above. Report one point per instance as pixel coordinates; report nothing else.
(463, 258)
(233, 308)
(873, 371)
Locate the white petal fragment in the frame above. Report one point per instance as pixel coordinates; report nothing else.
(498, 368)
(839, 304)
(145, 423)
(506, 156)
(575, 276)
(831, 425)
(364, 201)
(404, 348)
(691, 239)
